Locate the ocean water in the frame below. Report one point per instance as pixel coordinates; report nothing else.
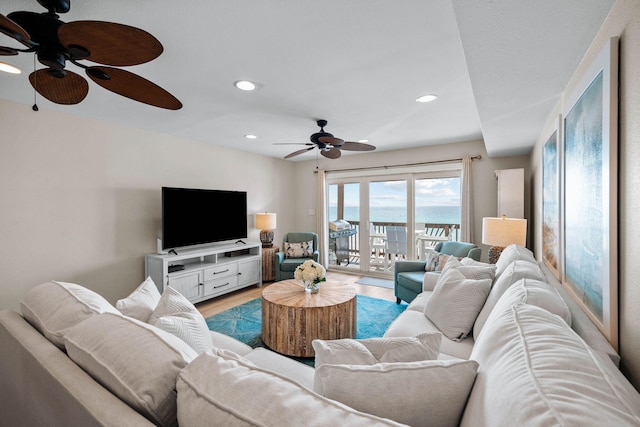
(428, 214)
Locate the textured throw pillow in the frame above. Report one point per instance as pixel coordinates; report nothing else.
(442, 261)
(470, 262)
(134, 360)
(475, 270)
(455, 303)
(452, 262)
(536, 371)
(298, 250)
(178, 316)
(141, 302)
(222, 388)
(54, 307)
(378, 350)
(517, 270)
(432, 261)
(426, 393)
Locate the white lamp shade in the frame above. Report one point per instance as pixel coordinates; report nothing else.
(504, 231)
(265, 221)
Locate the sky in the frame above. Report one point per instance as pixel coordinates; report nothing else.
(429, 192)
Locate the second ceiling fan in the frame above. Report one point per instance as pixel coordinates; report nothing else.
(328, 145)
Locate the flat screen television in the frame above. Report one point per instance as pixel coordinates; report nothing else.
(193, 216)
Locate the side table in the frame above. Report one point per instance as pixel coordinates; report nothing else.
(268, 269)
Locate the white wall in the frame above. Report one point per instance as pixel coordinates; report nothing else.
(624, 22)
(80, 200)
(484, 181)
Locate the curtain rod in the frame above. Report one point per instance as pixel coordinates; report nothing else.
(476, 157)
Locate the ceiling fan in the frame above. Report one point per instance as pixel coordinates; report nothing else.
(328, 145)
(55, 43)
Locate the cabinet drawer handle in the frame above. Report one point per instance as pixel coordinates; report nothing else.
(220, 272)
(221, 286)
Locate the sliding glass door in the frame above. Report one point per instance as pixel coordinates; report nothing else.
(437, 210)
(378, 217)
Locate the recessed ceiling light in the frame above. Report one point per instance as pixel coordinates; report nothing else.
(7, 68)
(249, 136)
(245, 85)
(363, 140)
(426, 98)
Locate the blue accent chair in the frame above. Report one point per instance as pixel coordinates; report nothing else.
(408, 275)
(286, 266)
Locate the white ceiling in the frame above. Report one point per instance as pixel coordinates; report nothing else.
(498, 67)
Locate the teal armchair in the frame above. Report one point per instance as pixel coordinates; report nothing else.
(286, 266)
(408, 275)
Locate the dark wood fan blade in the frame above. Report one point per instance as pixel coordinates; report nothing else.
(331, 153)
(13, 30)
(295, 153)
(133, 87)
(110, 43)
(69, 89)
(336, 142)
(357, 146)
(7, 51)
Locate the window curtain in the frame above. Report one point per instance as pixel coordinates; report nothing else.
(321, 215)
(466, 214)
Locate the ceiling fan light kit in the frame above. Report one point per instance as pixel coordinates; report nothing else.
(56, 43)
(328, 145)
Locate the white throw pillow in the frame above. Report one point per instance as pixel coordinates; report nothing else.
(141, 302)
(134, 360)
(377, 350)
(538, 293)
(536, 371)
(298, 250)
(426, 393)
(470, 261)
(455, 303)
(513, 253)
(222, 388)
(178, 316)
(475, 270)
(452, 262)
(517, 270)
(54, 307)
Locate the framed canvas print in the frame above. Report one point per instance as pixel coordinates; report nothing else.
(551, 202)
(590, 192)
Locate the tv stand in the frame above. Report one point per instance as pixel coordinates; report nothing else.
(207, 272)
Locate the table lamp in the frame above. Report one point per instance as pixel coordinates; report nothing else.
(502, 232)
(266, 223)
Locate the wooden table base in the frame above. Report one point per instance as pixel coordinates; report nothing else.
(293, 318)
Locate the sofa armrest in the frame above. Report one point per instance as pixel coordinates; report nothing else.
(475, 254)
(401, 266)
(226, 342)
(42, 386)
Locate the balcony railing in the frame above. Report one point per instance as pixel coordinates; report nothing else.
(432, 229)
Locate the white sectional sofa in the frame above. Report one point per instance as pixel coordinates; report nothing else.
(71, 358)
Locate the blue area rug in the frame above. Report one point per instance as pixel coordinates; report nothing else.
(244, 321)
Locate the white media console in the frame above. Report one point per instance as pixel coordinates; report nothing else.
(208, 272)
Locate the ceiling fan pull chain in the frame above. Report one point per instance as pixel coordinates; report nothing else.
(35, 106)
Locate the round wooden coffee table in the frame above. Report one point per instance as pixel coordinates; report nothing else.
(293, 318)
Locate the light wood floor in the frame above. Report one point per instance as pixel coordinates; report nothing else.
(225, 302)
